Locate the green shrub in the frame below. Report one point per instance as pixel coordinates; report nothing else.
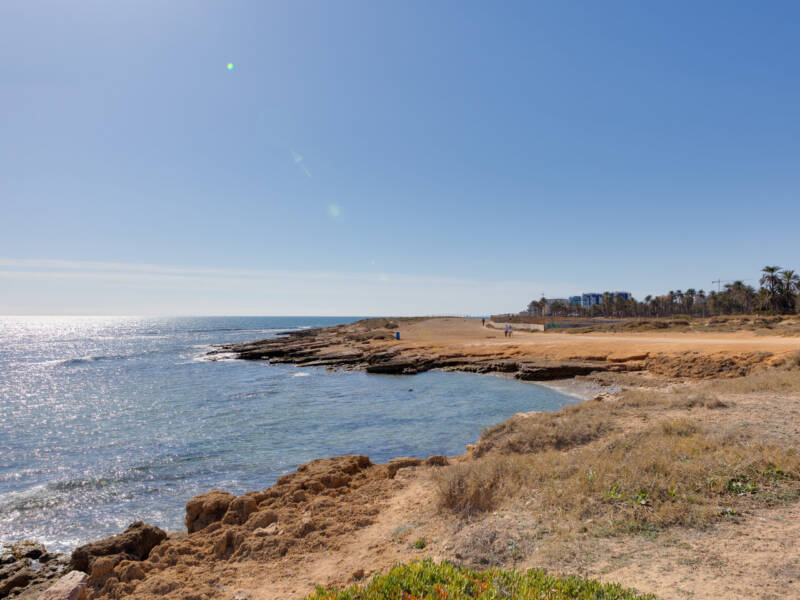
(426, 580)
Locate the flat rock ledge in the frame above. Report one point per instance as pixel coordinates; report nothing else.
(71, 586)
(339, 348)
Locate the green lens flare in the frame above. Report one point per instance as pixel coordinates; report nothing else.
(230, 66)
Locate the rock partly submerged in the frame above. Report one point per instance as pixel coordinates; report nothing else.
(27, 569)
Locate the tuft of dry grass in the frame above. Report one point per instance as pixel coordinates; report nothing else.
(669, 400)
(569, 427)
(673, 472)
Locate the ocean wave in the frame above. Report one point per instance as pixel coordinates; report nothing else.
(93, 358)
(105, 486)
(68, 362)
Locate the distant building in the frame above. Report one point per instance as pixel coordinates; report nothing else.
(574, 300)
(591, 299)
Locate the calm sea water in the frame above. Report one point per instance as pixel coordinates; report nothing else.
(104, 421)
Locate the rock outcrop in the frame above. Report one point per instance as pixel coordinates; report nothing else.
(312, 509)
(99, 559)
(205, 509)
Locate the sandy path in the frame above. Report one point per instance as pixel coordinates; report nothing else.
(758, 558)
(468, 336)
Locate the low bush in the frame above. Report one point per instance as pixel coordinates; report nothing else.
(426, 580)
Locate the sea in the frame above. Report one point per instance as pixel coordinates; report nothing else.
(109, 420)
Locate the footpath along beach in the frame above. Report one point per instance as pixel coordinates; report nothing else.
(594, 489)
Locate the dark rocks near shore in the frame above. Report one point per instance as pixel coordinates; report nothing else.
(27, 570)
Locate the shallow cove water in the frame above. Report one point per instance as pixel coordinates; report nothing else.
(104, 421)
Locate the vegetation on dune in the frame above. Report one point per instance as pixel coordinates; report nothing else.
(673, 472)
(426, 580)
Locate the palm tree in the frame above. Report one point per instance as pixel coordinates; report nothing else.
(689, 299)
(771, 281)
(790, 282)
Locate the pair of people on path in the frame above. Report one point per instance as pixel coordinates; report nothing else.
(508, 331)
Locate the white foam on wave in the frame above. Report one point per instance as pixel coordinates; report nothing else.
(301, 374)
(15, 501)
(221, 357)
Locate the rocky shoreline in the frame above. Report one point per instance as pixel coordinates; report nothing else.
(303, 511)
(363, 346)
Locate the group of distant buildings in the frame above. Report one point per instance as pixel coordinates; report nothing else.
(587, 300)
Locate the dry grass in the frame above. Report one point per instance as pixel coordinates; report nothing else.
(785, 325)
(669, 400)
(674, 472)
(569, 427)
(782, 380)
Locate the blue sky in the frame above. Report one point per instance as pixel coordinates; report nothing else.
(405, 158)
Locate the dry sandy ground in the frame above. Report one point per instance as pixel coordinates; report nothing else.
(468, 336)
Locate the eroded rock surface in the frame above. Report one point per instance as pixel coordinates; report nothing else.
(122, 552)
(306, 511)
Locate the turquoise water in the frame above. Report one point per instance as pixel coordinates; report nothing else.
(104, 421)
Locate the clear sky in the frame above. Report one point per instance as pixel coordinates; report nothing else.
(370, 157)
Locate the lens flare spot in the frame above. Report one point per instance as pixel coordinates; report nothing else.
(334, 211)
(230, 66)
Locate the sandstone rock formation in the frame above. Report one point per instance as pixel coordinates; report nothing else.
(206, 509)
(305, 511)
(124, 550)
